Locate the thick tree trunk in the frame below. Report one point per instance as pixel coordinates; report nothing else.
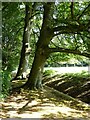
(25, 43)
(42, 50)
(35, 77)
(39, 78)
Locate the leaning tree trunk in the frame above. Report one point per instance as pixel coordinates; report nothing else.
(35, 77)
(25, 43)
(42, 50)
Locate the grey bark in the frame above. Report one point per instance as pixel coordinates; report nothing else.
(23, 65)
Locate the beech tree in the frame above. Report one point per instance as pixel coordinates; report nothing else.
(23, 65)
(26, 49)
(50, 29)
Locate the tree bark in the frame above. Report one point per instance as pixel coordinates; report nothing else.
(25, 43)
(42, 50)
(35, 77)
(47, 32)
(66, 50)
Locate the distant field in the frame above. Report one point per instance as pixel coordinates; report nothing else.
(68, 69)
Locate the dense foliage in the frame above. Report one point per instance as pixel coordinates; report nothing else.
(12, 24)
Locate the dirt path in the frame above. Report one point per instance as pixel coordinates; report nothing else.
(43, 104)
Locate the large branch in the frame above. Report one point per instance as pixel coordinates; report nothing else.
(72, 9)
(69, 29)
(65, 50)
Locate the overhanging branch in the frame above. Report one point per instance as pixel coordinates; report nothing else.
(65, 50)
(69, 29)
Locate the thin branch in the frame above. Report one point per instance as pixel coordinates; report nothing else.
(5, 7)
(65, 50)
(24, 19)
(72, 9)
(19, 30)
(38, 27)
(54, 44)
(83, 12)
(18, 23)
(85, 35)
(34, 15)
(35, 33)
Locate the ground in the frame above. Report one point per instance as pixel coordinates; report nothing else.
(45, 103)
(76, 85)
(49, 103)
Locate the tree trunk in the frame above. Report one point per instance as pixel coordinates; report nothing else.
(42, 50)
(35, 77)
(25, 43)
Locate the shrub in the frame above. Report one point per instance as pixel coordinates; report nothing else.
(5, 84)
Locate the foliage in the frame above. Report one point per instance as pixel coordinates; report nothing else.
(12, 35)
(49, 72)
(5, 84)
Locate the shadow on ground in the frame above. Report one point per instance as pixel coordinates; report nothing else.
(44, 104)
(75, 85)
